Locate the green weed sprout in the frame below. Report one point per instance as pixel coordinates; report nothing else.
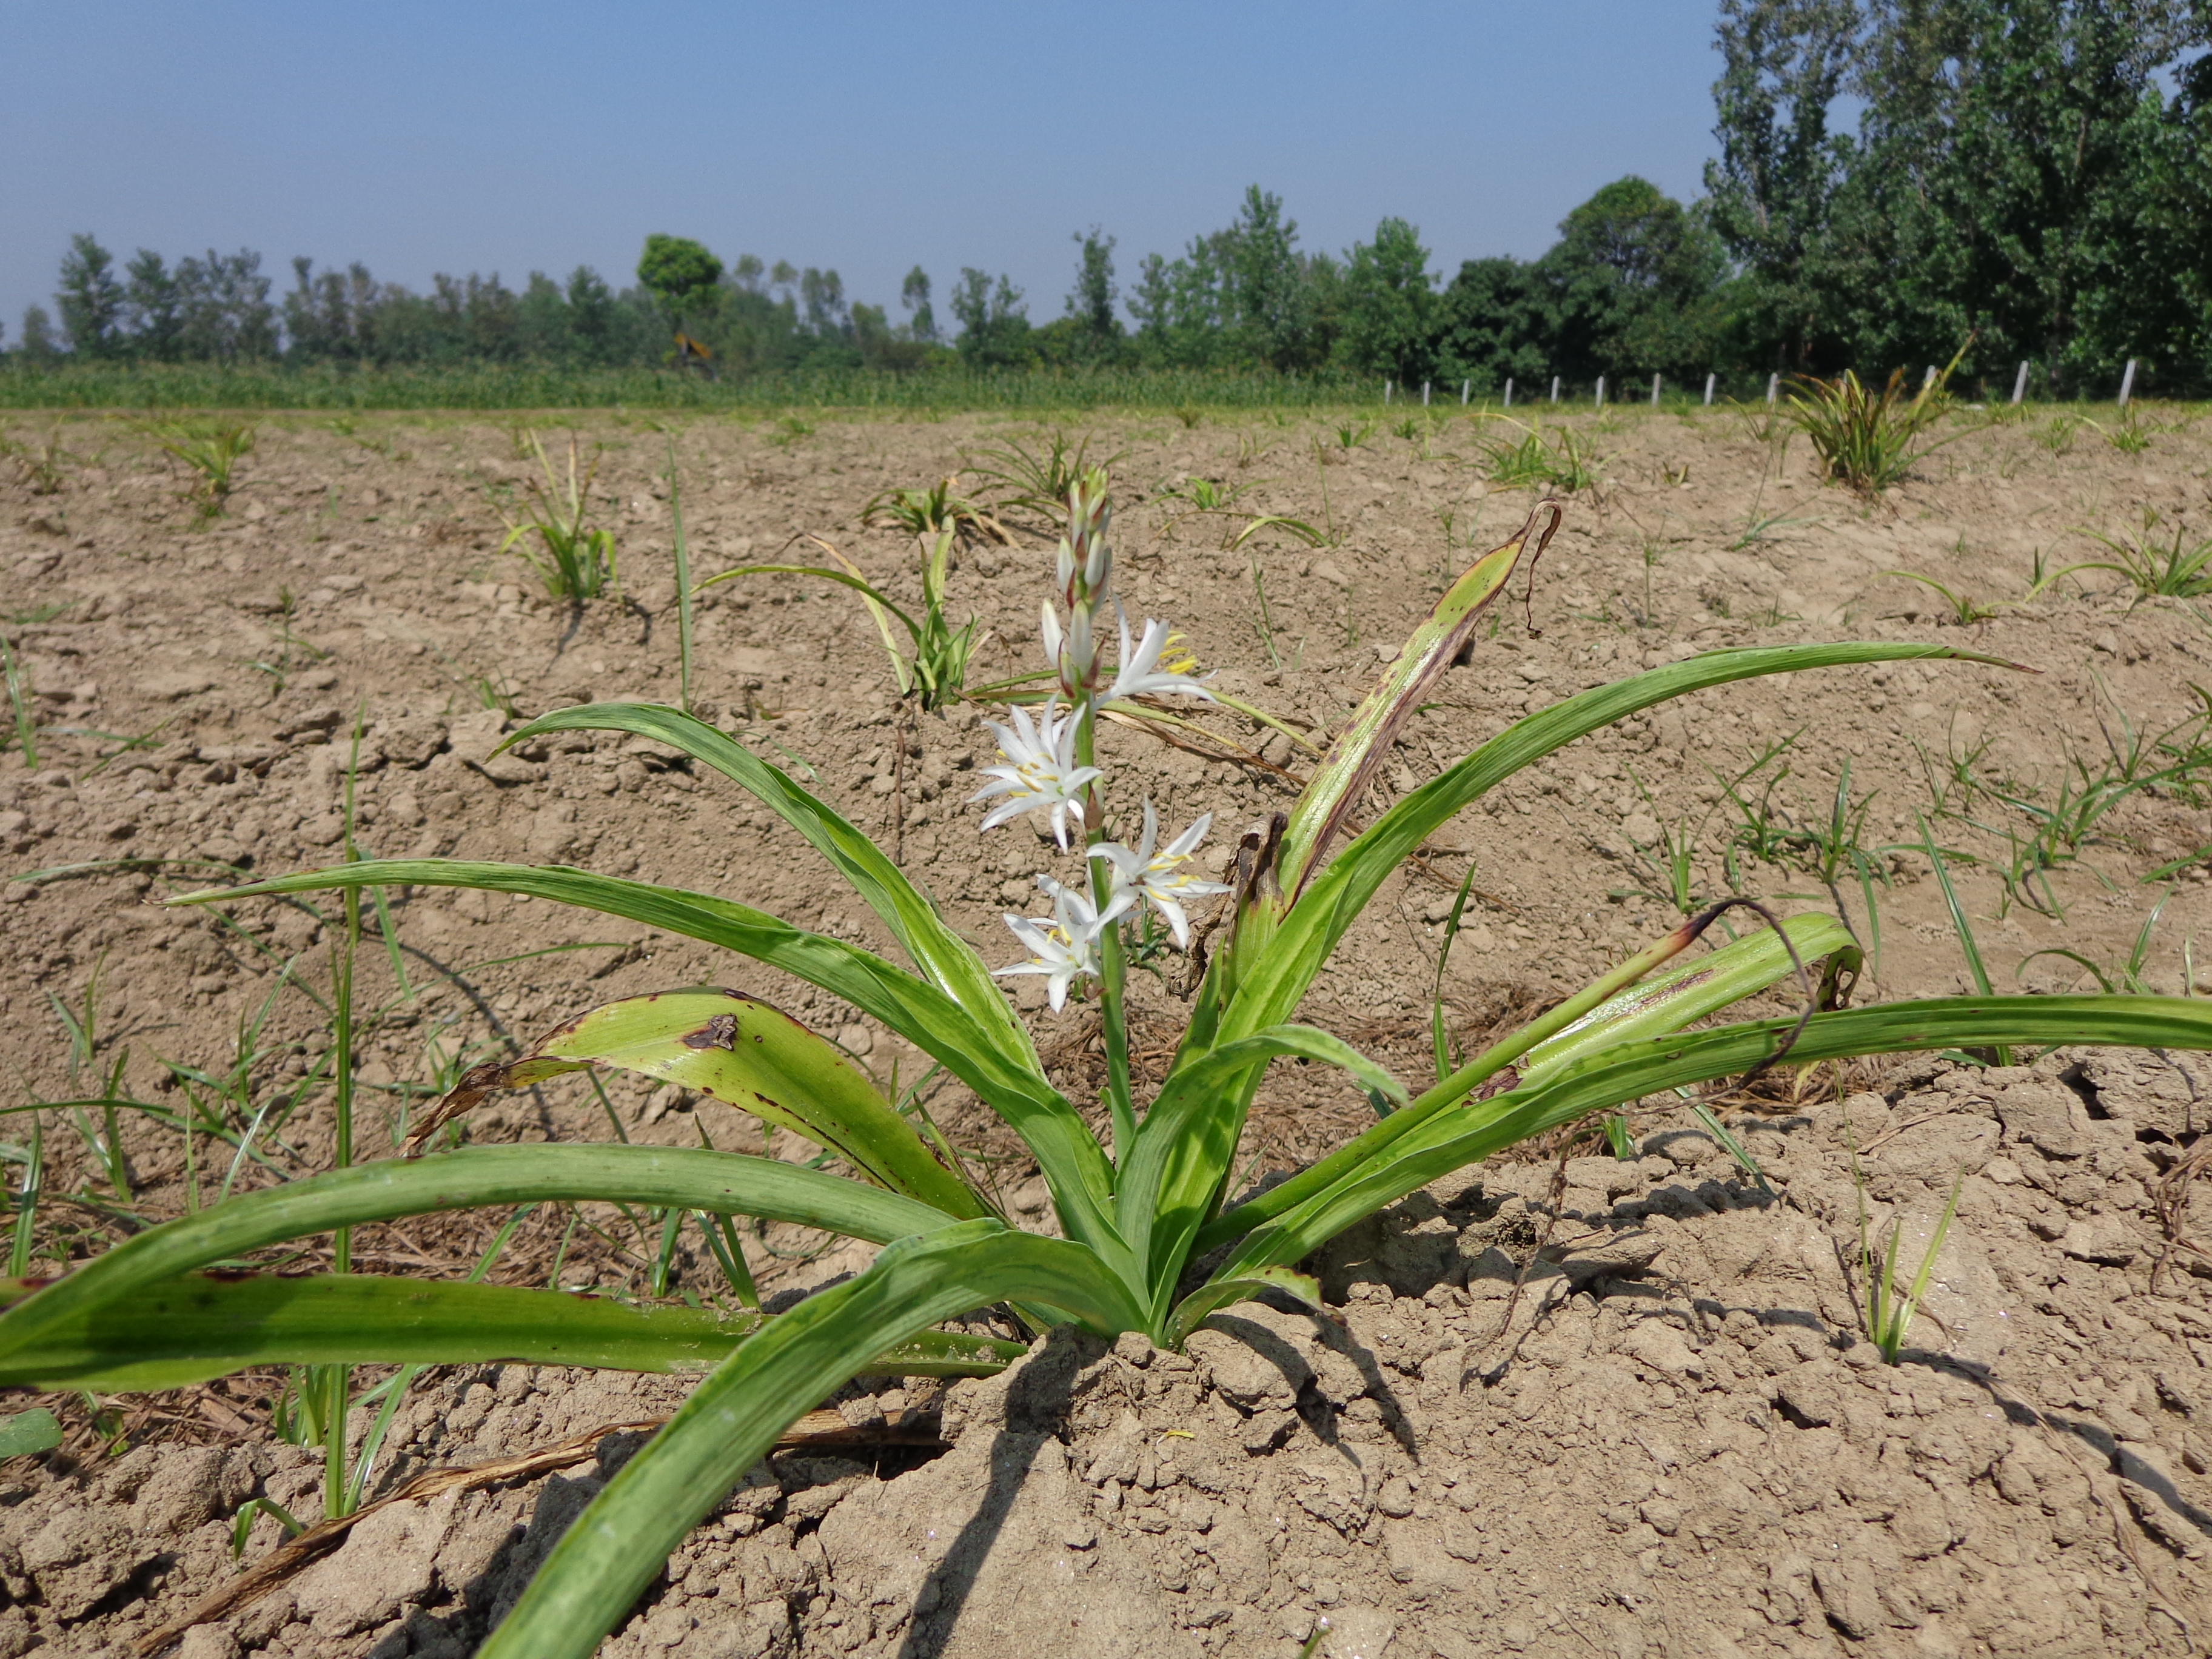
(1867, 440)
(935, 669)
(1966, 609)
(212, 452)
(1890, 1311)
(2171, 571)
(1037, 480)
(1135, 1206)
(43, 463)
(555, 535)
(1208, 498)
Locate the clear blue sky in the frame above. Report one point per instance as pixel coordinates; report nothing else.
(459, 136)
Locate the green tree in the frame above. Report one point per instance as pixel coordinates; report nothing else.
(541, 320)
(40, 349)
(224, 311)
(1634, 275)
(1390, 301)
(1772, 190)
(914, 297)
(90, 299)
(2012, 151)
(678, 272)
(1268, 287)
(994, 324)
(1495, 322)
(592, 319)
(152, 307)
(1090, 306)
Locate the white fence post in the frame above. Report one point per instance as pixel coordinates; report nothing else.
(2020, 383)
(1424, 394)
(1600, 400)
(1466, 386)
(1773, 386)
(1654, 391)
(1555, 388)
(1508, 391)
(1708, 390)
(2128, 383)
(1386, 390)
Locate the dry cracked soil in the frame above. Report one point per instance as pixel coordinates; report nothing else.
(1560, 1404)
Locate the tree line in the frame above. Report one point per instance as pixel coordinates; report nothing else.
(1894, 178)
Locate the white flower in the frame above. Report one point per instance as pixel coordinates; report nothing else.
(1064, 946)
(1040, 774)
(1159, 877)
(1139, 671)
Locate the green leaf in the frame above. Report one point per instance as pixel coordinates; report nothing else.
(617, 1545)
(1074, 1165)
(1665, 1001)
(945, 959)
(186, 1330)
(25, 1432)
(1333, 900)
(1614, 1077)
(1218, 1293)
(749, 1055)
(1185, 1130)
(721, 1183)
(1691, 991)
(1360, 749)
(1262, 987)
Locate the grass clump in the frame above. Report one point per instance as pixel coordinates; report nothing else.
(554, 532)
(1867, 440)
(41, 463)
(926, 512)
(210, 452)
(2177, 569)
(1558, 461)
(1890, 1308)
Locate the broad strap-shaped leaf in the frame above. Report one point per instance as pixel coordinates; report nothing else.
(1074, 1165)
(722, 1184)
(1614, 1077)
(1247, 991)
(1427, 655)
(1678, 996)
(1269, 992)
(1218, 1293)
(945, 959)
(186, 1330)
(617, 1545)
(1666, 1001)
(1186, 1121)
(744, 1053)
